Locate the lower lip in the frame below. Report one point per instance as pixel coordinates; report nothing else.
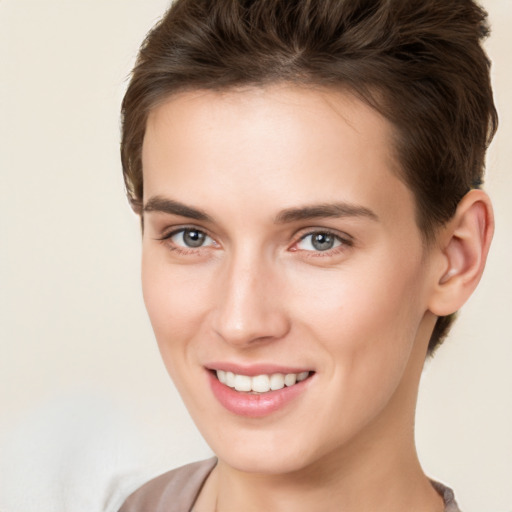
(255, 405)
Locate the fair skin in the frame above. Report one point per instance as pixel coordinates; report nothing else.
(271, 244)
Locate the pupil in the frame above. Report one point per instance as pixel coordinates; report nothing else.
(193, 238)
(323, 241)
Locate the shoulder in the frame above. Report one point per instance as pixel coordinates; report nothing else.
(178, 487)
(447, 494)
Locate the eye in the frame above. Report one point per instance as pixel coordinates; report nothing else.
(320, 241)
(190, 238)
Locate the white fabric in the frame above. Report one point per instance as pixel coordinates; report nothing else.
(70, 455)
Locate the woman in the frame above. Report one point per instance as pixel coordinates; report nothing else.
(307, 176)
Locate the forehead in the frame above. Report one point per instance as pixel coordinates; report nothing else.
(272, 147)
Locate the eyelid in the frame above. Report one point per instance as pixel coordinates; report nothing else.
(345, 239)
(174, 230)
(342, 235)
(169, 233)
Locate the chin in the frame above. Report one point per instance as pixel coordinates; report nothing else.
(265, 462)
(264, 453)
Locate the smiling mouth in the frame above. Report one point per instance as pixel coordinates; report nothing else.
(260, 383)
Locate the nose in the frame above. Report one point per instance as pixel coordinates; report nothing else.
(249, 306)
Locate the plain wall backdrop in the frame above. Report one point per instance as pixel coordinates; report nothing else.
(87, 411)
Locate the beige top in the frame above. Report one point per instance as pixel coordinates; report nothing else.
(177, 490)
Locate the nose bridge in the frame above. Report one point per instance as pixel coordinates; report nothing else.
(248, 307)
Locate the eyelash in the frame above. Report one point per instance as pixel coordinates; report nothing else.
(167, 240)
(344, 242)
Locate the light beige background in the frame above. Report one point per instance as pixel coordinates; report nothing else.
(86, 408)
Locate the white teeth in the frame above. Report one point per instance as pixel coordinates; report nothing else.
(230, 379)
(276, 381)
(290, 379)
(260, 383)
(302, 376)
(243, 383)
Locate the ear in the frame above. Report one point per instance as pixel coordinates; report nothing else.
(461, 253)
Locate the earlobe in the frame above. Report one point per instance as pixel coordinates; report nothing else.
(463, 248)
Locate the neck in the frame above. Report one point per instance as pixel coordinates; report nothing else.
(361, 478)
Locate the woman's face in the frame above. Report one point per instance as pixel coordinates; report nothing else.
(279, 246)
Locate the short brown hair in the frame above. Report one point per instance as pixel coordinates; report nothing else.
(420, 63)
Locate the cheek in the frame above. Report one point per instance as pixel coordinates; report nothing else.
(365, 327)
(175, 298)
(349, 302)
(366, 321)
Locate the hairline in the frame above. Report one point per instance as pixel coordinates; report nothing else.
(374, 99)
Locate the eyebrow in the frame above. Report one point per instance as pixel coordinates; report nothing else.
(317, 211)
(332, 210)
(165, 205)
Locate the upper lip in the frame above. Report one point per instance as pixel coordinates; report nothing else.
(253, 370)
